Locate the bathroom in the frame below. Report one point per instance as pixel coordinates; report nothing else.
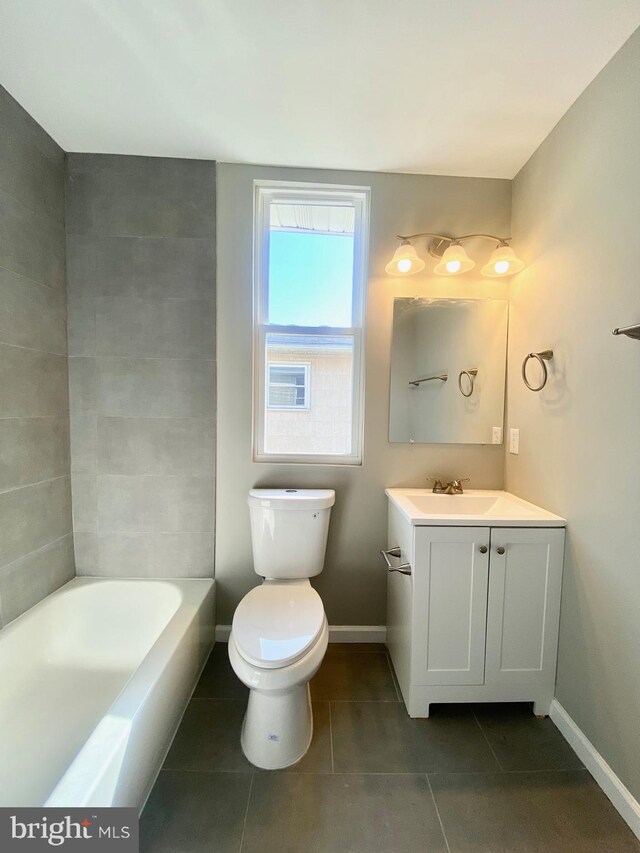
(157, 459)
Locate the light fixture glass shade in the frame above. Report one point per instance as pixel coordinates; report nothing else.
(405, 260)
(503, 262)
(454, 261)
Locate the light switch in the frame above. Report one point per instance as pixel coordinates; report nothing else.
(496, 435)
(514, 441)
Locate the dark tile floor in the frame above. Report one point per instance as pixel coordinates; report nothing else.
(471, 779)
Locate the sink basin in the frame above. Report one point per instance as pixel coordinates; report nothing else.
(462, 505)
(482, 508)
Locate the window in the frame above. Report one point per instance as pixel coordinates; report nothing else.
(288, 386)
(310, 271)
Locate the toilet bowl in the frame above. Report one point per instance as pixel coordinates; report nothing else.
(279, 633)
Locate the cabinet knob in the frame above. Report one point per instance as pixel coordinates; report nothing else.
(483, 549)
(500, 550)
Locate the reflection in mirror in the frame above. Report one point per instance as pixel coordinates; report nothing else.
(448, 370)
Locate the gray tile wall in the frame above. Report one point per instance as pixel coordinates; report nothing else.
(36, 549)
(141, 285)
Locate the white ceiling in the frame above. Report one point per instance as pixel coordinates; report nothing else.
(454, 87)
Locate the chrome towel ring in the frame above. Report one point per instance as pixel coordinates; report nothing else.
(470, 374)
(542, 357)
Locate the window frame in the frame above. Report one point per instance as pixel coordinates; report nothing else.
(266, 192)
(306, 367)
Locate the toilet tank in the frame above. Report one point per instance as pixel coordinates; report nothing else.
(289, 531)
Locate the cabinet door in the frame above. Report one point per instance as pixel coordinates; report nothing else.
(524, 605)
(450, 579)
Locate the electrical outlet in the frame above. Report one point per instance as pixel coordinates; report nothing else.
(496, 435)
(514, 441)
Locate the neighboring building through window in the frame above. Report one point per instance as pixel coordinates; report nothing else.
(288, 386)
(310, 259)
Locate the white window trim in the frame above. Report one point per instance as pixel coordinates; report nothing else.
(306, 366)
(331, 194)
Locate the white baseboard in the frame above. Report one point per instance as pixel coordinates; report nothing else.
(621, 797)
(357, 633)
(222, 633)
(337, 633)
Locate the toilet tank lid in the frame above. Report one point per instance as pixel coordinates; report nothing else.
(292, 499)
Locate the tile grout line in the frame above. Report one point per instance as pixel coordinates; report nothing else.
(37, 483)
(290, 772)
(366, 701)
(37, 550)
(45, 212)
(484, 735)
(102, 356)
(435, 805)
(34, 418)
(331, 738)
(108, 235)
(52, 288)
(246, 812)
(34, 349)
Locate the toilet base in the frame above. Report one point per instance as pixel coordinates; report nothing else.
(277, 727)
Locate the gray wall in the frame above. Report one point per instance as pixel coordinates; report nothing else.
(352, 584)
(36, 551)
(141, 274)
(576, 209)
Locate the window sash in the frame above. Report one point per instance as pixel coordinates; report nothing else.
(358, 197)
(355, 457)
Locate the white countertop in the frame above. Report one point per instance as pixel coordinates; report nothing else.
(474, 508)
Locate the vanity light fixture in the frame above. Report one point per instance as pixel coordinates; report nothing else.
(454, 261)
(405, 260)
(503, 261)
(452, 258)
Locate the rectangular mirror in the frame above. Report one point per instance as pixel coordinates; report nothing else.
(448, 360)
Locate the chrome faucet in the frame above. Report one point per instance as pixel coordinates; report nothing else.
(454, 487)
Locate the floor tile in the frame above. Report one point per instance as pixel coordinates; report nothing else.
(290, 813)
(354, 677)
(195, 812)
(380, 737)
(218, 680)
(544, 812)
(209, 739)
(521, 741)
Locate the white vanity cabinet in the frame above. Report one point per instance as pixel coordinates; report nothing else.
(477, 618)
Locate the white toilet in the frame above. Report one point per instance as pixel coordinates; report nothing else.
(279, 634)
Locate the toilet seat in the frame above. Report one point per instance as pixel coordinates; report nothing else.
(278, 622)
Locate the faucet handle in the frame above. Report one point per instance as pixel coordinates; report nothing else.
(456, 485)
(437, 484)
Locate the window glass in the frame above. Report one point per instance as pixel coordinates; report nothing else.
(310, 266)
(325, 424)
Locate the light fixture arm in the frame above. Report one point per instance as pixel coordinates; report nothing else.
(504, 240)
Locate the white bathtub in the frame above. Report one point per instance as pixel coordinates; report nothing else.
(93, 682)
